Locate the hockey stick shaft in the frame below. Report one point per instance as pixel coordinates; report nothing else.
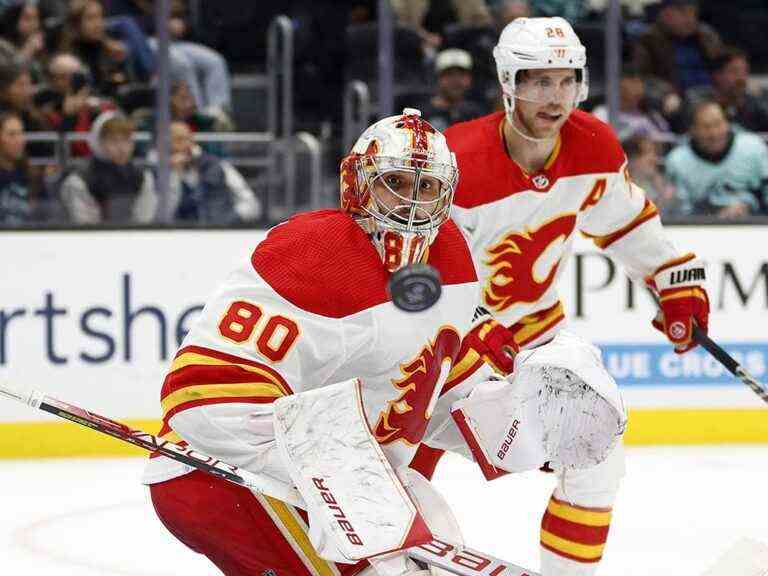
(730, 363)
(154, 444)
(700, 336)
(459, 560)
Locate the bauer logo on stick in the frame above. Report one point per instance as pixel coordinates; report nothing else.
(415, 288)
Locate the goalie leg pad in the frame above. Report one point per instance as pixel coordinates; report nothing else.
(357, 505)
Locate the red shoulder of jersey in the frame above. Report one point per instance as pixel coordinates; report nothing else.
(487, 174)
(589, 145)
(324, 263)
(450, 254)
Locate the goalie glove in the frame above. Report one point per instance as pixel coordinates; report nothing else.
(683, 300)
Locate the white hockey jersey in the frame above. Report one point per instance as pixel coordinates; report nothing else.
(310, 309)
(522, 225)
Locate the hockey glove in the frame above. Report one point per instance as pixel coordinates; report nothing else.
(683, 300)
(494, 342)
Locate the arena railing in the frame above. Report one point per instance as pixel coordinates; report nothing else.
(258, 155)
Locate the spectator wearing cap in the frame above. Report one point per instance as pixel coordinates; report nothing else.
(635, 115)
(678, 49)
(720, 170)
(112, 188)
(730, 87)
(454, 80)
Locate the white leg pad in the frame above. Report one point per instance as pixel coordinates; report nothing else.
(357, 505)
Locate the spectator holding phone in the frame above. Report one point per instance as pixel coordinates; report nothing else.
(68, 102)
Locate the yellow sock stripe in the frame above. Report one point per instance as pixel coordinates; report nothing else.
(212, 391)
(196, 359)
(579, 515)
(572, 548)
(299, 536)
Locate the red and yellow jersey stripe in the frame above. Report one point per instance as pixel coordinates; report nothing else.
(649, 211)
(530, 327)
(575, 532)
(200, 376)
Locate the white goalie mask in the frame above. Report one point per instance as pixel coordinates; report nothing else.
(540, 44)
(398, 183)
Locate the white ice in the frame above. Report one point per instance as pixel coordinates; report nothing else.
(679, 509)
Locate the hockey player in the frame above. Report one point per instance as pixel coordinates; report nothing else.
(531, 177)
(300, 369)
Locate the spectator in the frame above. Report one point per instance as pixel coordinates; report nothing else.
(635, 116)
(454, 80)
(730, 87)
(509, 10)
(17, 94)
(20, 25)
(429, 17)
(108, 59)
(719, 171)
(643, 163)
(112, 189)
(572, 10)
(203, 69)
(19, 187)
(677, 51)
(68, 102)
(205, 189)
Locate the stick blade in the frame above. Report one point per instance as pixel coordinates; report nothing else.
(746, 557)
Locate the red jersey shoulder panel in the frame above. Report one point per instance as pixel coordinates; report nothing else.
(589, 146)
(487, 174)
(324, 263)
(451, 256)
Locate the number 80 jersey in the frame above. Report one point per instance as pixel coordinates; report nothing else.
(310, 308)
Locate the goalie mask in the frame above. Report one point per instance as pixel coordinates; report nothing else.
(539, 44)
(398, 183)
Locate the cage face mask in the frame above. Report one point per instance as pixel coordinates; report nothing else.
(399, 182)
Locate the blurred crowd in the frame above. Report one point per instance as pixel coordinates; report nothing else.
(693, 114)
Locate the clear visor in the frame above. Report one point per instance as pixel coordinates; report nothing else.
(409, 194)
(549, 90)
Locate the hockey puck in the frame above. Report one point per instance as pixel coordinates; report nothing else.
(415, 288)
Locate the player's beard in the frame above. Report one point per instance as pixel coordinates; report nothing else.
(528, 126)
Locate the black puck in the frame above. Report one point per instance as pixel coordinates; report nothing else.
(415, 288)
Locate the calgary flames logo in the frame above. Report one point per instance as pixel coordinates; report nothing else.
(513, 259)
(406, 417)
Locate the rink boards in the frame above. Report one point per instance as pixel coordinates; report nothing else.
(95, 317)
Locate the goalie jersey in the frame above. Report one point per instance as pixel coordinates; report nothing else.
(310, 308)
(522, 226)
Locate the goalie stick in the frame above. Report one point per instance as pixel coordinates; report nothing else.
(459, 560)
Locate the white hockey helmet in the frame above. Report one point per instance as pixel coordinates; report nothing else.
(539, 44)
(398, 183)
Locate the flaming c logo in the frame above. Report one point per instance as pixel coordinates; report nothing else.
(513, 259)
(406, 417)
